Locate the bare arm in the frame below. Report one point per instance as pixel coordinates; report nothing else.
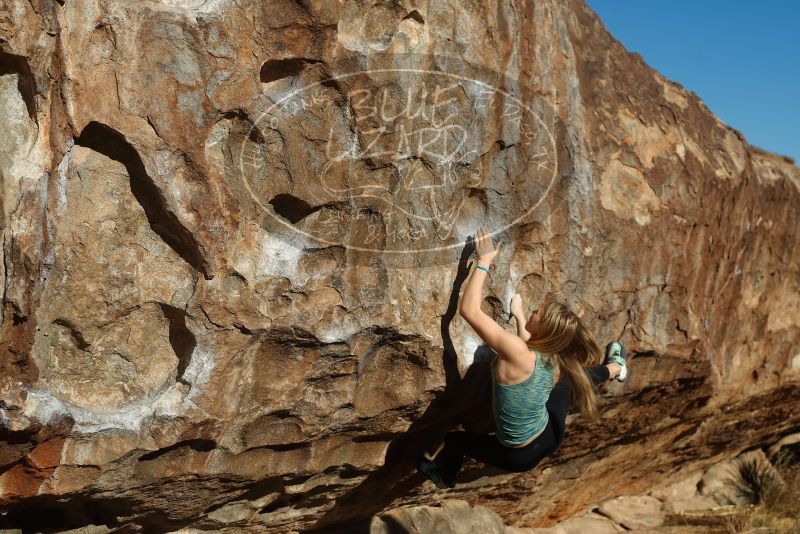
(473, 291)
(521, 330)
(470, 304)
(507, 345)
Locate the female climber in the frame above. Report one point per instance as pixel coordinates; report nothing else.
(530, 397)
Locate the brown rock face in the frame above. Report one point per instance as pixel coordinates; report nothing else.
(231, 235)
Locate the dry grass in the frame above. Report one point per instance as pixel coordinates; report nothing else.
(776, 500)
(775, 508)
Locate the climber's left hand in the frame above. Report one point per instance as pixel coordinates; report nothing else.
(484, 248)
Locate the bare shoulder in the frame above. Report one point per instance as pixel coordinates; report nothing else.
(515, 350)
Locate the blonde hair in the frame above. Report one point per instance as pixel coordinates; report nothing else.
(563, 335)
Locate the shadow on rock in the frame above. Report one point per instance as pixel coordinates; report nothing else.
(465, 401)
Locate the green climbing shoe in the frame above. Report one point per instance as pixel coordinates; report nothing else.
(615, 353)
(431, 471)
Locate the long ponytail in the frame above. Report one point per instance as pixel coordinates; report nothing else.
(565, 337)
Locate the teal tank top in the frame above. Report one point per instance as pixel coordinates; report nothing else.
(519, 409)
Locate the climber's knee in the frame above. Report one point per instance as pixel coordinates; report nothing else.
(454, 439)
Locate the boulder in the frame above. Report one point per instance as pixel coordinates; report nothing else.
(231, 236)
(633, 511)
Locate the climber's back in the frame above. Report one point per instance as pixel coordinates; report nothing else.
(519, 407)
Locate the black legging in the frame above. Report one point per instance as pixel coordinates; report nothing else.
(487, 449)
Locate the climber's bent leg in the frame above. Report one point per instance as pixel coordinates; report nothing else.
(559, 402)
(598, 374)
(487, 449)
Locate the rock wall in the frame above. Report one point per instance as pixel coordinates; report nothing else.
(231, 235)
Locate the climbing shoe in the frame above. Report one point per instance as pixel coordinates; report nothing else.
(615, 353)
(430, 470)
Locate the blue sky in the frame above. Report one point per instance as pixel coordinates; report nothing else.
(742, 58)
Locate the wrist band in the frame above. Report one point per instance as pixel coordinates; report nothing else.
(481, 267)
